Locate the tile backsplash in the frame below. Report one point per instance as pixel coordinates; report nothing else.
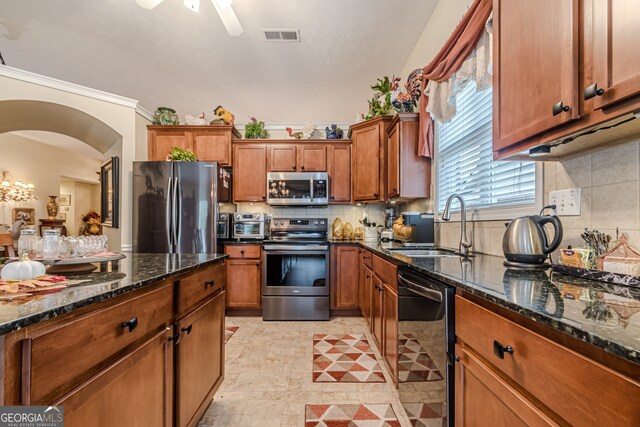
(610, 185)
(348, 213)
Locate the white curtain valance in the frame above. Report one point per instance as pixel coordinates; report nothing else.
(477, 67)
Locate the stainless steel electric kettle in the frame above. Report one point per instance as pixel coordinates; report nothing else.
(525, 243)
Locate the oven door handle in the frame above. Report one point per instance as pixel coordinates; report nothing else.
(295, 248)
(431, 294)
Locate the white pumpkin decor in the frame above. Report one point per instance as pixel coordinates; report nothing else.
(24, 269)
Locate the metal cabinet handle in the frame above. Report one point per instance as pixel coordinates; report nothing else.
(175, 338)
(376, 195)
(187, 329)
(211, 283)
(592, 91)
(302, 167)
(333, 197)
(293, 167)
(242, 252)
(559, 107)
(395, 190)
(264, 197)
(499, 349)
(131, 324)
(257, 264)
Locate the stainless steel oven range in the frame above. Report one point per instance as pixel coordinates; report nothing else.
(426, 339)
(295, 275)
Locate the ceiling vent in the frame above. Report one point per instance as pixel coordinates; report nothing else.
(282, 35)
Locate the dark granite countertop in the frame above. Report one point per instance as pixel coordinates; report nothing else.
(131, 273)
(598, 313)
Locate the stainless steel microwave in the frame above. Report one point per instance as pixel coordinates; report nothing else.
(298, 188)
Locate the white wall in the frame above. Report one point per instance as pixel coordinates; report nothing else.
(116, 112)
(84, 197)
(43, 165)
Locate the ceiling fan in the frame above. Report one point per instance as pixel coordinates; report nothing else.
(223, 7)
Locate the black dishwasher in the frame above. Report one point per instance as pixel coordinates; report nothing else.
(426, 338)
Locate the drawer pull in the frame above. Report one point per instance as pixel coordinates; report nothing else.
(211, 283)
(592, 91)
(242, 252)
(187, 329)
(499, 349)
(559, 107)
(131, 324)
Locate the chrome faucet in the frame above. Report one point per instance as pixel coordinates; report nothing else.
(465, 240)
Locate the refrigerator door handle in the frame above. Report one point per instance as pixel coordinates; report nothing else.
(177, 209)
(169, 213)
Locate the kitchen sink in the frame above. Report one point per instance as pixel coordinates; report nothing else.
(423, 253)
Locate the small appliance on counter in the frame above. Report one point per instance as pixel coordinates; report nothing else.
(224, 225)
(525, 242)
(422, 224)
(250, 225)
(386, 235)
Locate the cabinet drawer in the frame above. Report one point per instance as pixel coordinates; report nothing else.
(386, 271)
(581, 391)
(57, 360)
(197, 286)
(243, 251)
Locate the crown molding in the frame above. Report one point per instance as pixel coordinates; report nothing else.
(50, 82)
(144, 112)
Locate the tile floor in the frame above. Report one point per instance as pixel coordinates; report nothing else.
(268, 376)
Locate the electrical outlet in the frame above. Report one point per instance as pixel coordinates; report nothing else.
(567, 201)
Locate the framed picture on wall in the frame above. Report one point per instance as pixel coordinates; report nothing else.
(64, 200)
(28, 215)
(110, 192)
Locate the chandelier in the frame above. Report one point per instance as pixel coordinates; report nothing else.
(16, 191)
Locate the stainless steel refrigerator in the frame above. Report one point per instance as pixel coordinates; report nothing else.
(175, 207)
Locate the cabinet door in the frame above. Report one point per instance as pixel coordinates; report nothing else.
(616, 50)
(535, 68)
(377, 305)
(500, 405)
(137, 390)
(161, 142)
(199, 360)
(345, 276)
(282, 158)
(366, 163)
(213, 146)
(367, 296)
(312, 158)
(393, 162)
(390, 327)
(243, 283)
(339, 167)
(249, 173)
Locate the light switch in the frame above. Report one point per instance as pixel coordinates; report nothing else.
(567, 201)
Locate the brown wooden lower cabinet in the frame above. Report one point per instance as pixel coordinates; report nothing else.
(484, 398)
(390, 328)
(244, 275)
(199, 360)
(377, 306)
(344, 276)
(117, 360)
(137, 390)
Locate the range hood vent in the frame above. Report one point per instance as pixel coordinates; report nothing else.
(281, 35)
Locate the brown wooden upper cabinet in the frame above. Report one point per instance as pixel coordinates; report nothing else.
(249, 172)
(408, 175)
(297, 158)
(368, 159)
(209, 143)
(535, 68)
(582, 53)
(615, 50)
(339, 168)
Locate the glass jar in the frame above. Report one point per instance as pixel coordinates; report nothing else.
(50, 244)
(27, 243)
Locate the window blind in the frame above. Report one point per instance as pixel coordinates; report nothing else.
(465, 159)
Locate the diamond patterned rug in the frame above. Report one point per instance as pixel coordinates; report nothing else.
(229, 331)
(425, 414)
(414, 364)
(350, 415)
(344, 358)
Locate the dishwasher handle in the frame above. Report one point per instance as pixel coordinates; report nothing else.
(421, 290)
